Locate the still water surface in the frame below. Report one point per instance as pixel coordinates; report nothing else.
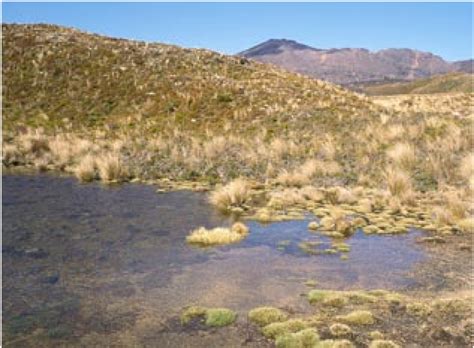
(90, 265)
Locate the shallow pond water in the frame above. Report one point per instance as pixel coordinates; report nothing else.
(92, 265)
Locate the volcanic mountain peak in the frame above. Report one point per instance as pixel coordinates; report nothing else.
(353, 65)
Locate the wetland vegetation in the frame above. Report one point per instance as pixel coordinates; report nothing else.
(242, 205)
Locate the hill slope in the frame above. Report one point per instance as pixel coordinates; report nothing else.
(55, 76)
(449, 83)
(351, 65)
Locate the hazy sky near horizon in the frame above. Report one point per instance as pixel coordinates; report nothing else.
(442, 28)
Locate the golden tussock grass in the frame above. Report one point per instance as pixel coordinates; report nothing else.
(218, 235)
(86, 169)
(403, 155)
(234, 194)
(110, 167)
(399, 183)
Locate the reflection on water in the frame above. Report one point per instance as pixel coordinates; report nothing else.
(88, 265)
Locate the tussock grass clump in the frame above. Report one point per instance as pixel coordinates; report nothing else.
(466, 225)
(359, 317)
(403, 155)
(274, 330)
(10, 154)
(111, 168)
(85, 170)
(218, 235)
(466, 169)
(398, 183)
(219, 317)
(264, 316)
(234, 194)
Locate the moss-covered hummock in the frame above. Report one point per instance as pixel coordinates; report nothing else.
(338, 329)
(192, 312)
(306, 338)
(218, 317)
(263, 316)
(383, 344)
(215, 317)
(359, 317)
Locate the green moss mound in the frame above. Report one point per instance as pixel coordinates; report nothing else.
(215, 317)
(307, 338)
(218, 317)
(263, 316)
(290, 326)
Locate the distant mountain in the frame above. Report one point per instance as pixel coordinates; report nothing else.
(353, 65)
(446, 83)
(464, 66)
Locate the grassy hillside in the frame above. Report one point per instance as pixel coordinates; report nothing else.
(449, 83)
(112, 109)
(54, 77)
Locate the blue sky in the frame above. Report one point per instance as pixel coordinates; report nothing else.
(442, 28)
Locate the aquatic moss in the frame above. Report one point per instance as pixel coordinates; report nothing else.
(359, 317)
(307, 338)
(339, 329)
(218, 317)
(264, 316)
(192, 312)
(274, 330)
(383, 344)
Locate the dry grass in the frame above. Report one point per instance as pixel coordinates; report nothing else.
(398, 183)
(218, 235)
(403, 155)
(110, 167)
(466, 169)
(85, 170)
(234, 194)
